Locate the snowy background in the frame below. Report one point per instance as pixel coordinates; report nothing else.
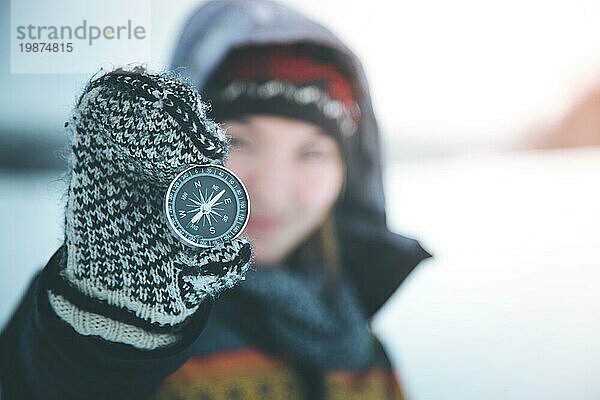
(509, 308)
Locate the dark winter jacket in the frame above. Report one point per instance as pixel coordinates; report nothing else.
(41, 357)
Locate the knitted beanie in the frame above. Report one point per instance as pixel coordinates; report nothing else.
(296, 81)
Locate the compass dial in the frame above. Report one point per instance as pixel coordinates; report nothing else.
(206, 205)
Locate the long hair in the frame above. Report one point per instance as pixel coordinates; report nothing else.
(322, 248)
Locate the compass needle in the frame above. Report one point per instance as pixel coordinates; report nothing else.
(196, 217)
(217, 197)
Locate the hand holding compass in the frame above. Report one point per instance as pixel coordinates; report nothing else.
(153, 219)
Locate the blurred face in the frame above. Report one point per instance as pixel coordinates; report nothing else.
(293, 172)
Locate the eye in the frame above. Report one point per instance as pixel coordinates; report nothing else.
(237, 143)
(313, 154)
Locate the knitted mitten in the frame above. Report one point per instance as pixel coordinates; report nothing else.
(132, 133)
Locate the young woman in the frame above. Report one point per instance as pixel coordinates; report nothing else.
(118, 311)
(295, 103)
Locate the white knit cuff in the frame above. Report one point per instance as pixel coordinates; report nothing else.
(87, 323)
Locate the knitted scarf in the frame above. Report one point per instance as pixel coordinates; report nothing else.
(287, 314)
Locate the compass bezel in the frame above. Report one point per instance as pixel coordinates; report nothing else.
(173, 225)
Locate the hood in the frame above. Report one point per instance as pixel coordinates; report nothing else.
(376, 259)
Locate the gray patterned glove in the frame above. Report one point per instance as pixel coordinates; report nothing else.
(125, 278)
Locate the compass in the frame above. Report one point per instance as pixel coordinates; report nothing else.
(206, 205)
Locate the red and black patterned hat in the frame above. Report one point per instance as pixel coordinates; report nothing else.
(296, 81)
